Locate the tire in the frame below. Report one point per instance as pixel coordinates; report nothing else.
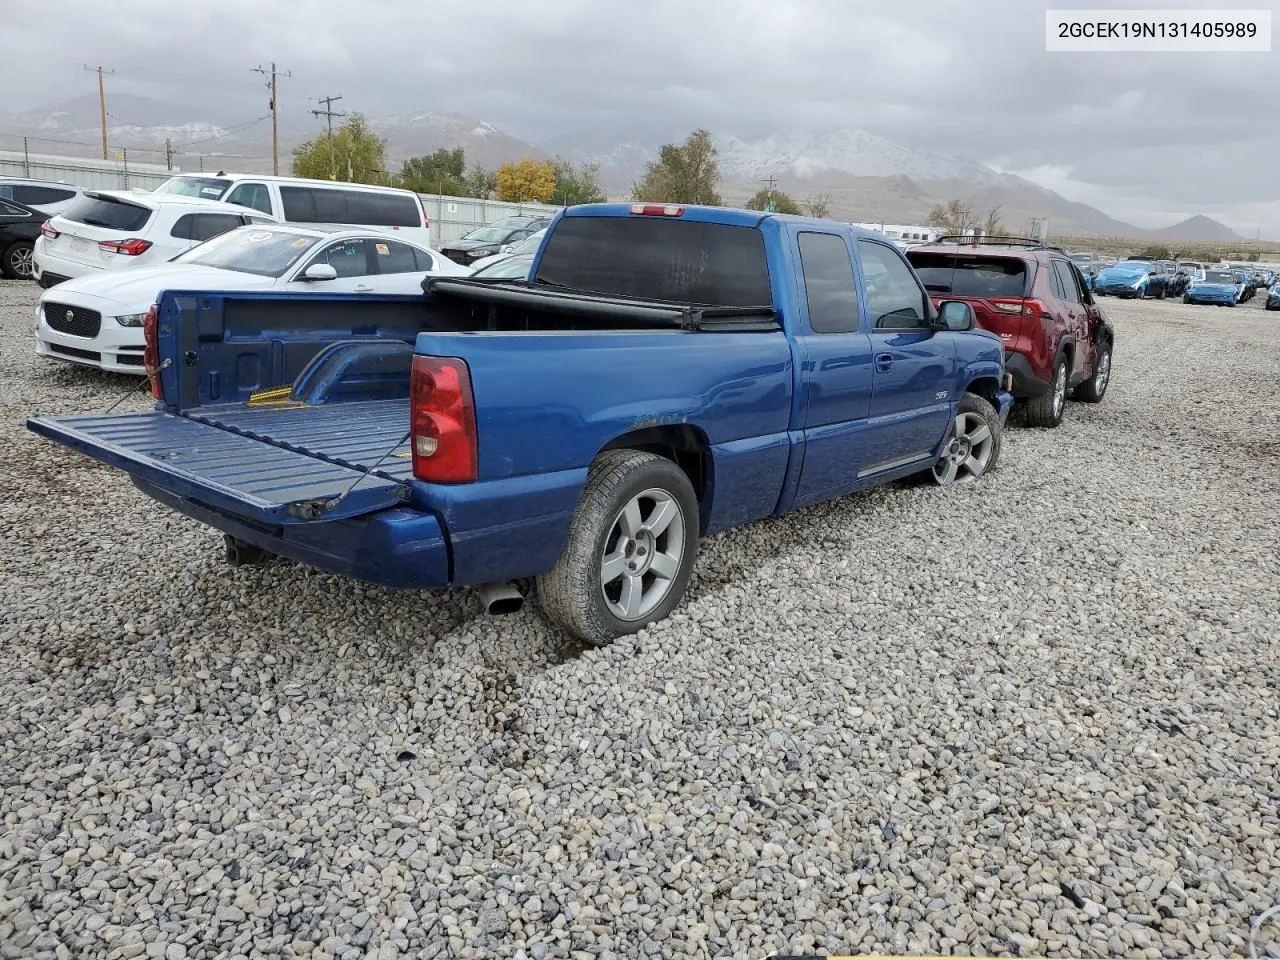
(1185, 298)
(1046, 411)
(15, 262)
(1095, 388)
(575, 594)
(964, 458)
(1160, 295)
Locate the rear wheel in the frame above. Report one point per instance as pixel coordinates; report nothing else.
(630, 550)
(1095, 388)
(1046, 410)
(16, 262)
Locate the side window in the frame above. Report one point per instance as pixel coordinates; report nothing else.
(9, 210)
(331, 206)
(391, 256)
(1055, 284)
(829, 286)
(894, 297)
(1065, 279)
(349, 257)
(298, 204)
(425, 261)
(31, 195)
(377, 209)
(204, 226)
(251, 195)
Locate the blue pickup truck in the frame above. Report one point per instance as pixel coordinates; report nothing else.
(663, 373)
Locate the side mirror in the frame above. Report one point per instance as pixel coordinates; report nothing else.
(956, 316)
(320, 271)
(506, 248)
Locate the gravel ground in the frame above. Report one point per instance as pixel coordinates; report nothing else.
(1037, 716)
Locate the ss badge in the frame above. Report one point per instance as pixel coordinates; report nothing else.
(942, 395)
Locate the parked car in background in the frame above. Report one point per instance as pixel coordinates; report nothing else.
(515, 267)
(531, 221)
(301, 200)
(528, 245)
(1184, 273)
(19, 229)
(1273, 297)
(1244, 284)
(47, 196)
(1218, 287)
(111, 229)
(1131, 278)
(484, 242)
(1056, 339)
(1088, 264)
(97, 319)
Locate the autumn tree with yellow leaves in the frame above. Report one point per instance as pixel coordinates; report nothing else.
(526, 180)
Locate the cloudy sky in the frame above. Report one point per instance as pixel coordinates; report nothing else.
(1149, 138)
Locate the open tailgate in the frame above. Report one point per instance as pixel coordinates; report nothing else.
(228, 471)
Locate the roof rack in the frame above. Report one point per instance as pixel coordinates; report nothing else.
(995, 241)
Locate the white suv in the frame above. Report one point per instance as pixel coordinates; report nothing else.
(108, 229)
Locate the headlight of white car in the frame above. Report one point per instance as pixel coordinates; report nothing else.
(131, 319)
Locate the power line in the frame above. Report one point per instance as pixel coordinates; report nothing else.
(329, 113)
(275, 111)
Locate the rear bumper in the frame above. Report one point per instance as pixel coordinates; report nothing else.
(397, 547)
(1026, 383)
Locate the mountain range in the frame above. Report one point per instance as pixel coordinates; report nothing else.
(864, 176)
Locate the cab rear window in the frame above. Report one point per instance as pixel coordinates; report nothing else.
(970, 276)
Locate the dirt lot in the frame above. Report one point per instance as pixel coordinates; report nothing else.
(1037, 716)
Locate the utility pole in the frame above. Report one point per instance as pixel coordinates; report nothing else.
(168, 153)
(329, 113)
(275, 125)
(102, 104)
(772, 182)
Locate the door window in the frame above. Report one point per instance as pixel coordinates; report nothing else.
(204, 226)
(348, 257)
(1066, 281)
(251, 195)
(894, 297)
(391, 256)
(829, 286)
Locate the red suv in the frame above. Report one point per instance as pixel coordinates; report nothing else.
(1056, 339)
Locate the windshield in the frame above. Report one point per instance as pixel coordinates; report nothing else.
(266, 253)
(209, 188)
(511, 268)
(489, 234)
(1218, 276)
(530, 244)
(1132, 266)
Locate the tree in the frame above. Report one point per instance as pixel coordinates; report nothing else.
(992, 227)
(682, 174)
(762, 198)
(480, 183)
(1156, 251)
(527, 179)
(440, 172)
(355, 152)
(577, 184)
(953, 218)
(818, 205)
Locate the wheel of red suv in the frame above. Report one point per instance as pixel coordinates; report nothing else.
(630, 551)
(16, 262)
(1046, 410)
(973, 448)
(1095, 388)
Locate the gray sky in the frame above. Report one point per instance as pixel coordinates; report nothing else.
(1149, 138)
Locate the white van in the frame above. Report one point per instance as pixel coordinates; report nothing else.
(299, 200)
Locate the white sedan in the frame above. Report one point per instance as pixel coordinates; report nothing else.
(97, 320)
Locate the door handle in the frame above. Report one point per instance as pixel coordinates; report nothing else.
(363, 288)
(884, 362)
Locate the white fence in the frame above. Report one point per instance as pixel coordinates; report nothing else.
(121, 174)
(451, 217)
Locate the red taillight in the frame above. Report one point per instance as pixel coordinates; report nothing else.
(130, 248)
(656, 210)
(151, 352)
(425, 222)
(47, 229)
(1019, 307)
(442, 417)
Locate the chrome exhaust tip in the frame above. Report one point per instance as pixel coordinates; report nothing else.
(500, 598)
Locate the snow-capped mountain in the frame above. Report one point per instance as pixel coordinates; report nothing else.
(412, 134)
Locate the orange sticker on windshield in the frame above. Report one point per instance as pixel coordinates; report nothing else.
(300, 242)
(383, 249)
